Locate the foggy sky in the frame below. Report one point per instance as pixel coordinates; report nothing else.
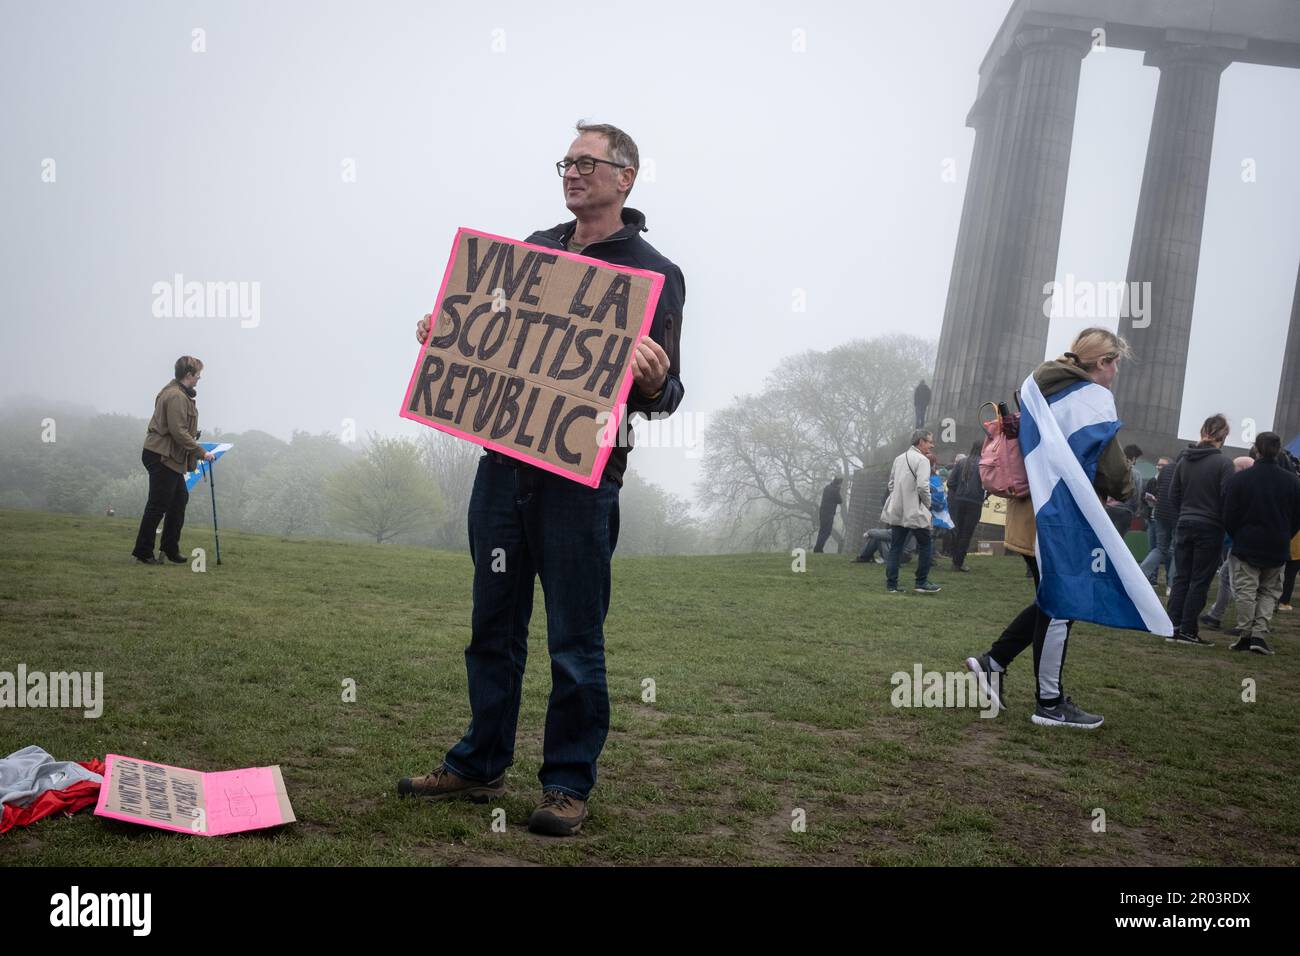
(773, 171)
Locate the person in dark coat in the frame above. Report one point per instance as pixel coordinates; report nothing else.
(1196, 494)
(826, 515)
(966, 501)
(921, 399)
(1261, 511)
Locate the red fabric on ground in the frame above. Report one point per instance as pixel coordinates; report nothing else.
(70, 799)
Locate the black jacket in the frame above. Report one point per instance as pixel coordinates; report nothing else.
(1164, 509)
(830, 500)
(1262, 513)
(627, 248)
(1196, 492)
(968, 485)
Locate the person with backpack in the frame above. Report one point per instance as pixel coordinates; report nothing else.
(1093, 358)
(966, 502)
(1196, 493)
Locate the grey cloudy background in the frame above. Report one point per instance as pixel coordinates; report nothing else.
(774, 170)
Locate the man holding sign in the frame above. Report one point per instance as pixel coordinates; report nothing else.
(529, 384)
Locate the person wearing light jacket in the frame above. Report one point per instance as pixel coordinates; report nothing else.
(907, 512)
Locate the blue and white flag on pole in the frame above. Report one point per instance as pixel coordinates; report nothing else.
(200, 471)
(1087, 571)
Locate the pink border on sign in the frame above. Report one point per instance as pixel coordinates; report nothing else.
(611, 428)
(221, 814)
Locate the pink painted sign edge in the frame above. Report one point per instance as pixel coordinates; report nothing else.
(143, 821)
(620, 406)
(262, 785)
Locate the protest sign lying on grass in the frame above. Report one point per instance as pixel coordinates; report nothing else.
(210, 804)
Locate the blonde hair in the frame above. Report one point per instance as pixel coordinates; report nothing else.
(1093, 346)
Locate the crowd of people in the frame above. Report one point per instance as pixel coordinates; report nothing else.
(1206, 515)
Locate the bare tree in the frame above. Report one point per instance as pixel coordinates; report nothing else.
(768, 456)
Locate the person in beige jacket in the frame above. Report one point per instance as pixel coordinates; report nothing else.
(171, 448)
(907, 511)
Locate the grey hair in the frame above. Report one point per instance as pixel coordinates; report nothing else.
(622, 149)
(920, 434)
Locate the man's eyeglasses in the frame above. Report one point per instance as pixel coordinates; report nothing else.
(586, 165)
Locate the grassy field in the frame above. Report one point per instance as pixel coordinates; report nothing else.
(772, 697)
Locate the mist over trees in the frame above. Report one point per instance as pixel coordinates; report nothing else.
(819, 414)
(67, 458)
(766, 458)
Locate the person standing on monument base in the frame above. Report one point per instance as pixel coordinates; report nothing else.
(921, 402)
(831, 500)
(547, 526)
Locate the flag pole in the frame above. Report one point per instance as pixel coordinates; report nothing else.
(212, 486)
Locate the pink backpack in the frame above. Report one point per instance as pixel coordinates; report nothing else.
(1002, 466)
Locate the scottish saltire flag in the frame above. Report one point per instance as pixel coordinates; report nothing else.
(192, 478)
(939, 504)
(1087, 571)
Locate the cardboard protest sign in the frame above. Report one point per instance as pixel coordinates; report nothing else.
(186, 801)
(530, 352)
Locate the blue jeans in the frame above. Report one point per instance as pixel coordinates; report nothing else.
(924, 554)
(878, 539)
(1162, 552)
(525, 523)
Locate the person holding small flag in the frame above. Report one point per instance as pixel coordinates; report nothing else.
(171, 449)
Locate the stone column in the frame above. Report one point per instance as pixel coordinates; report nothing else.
(1167, 240)
(1286, 420)
(1035, 167)
(973, 260)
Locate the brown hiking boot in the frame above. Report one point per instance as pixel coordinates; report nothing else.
(442, 784)
(559, 814)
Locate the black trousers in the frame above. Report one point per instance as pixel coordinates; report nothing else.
(827, 523)
(1198, 552)
(167, 500)
(965, 516)
(1050, 639)
(1288, 580)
